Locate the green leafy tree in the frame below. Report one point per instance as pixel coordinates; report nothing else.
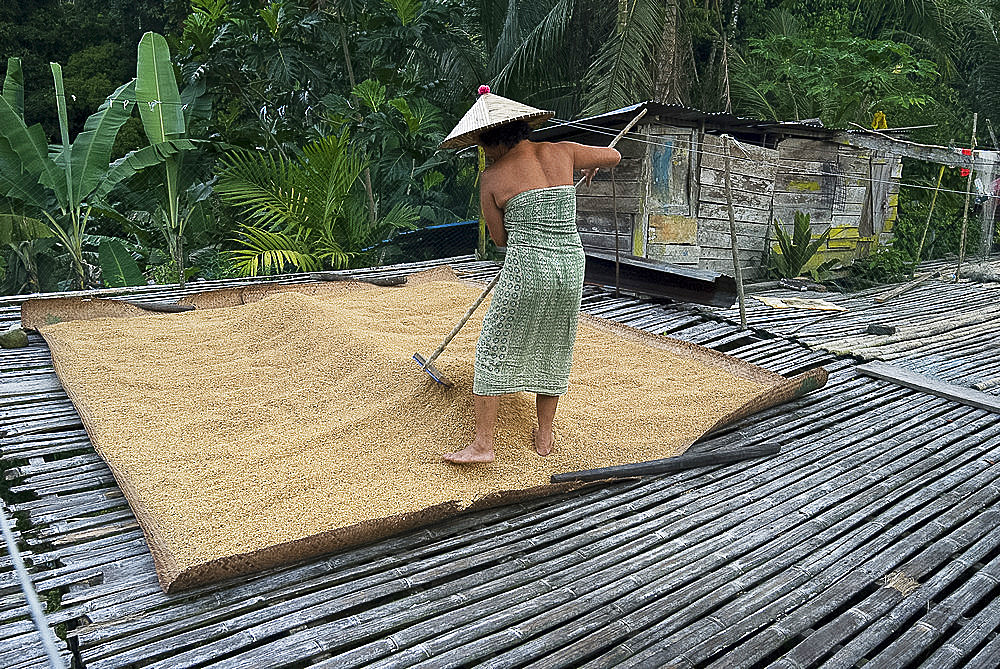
(399, 139)
(268, 66)
(836, 79)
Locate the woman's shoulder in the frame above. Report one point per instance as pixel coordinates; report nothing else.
(561, 147)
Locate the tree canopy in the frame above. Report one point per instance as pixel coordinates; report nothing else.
(277, 91)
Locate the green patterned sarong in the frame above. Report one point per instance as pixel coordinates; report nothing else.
(527, 340)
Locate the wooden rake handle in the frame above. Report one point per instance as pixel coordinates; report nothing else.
(465, 319)
(479, 300)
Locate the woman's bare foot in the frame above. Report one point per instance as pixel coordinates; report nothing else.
(473, 453)
(543, 445)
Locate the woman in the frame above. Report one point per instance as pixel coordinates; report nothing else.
(529, 203)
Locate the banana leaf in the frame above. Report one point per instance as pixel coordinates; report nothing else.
(15, 182)
(156, 91)
(140, 159)
(118, 268)
(91, 151)
(62, 159)
(13, 85)
(15, 229)
(31, 148)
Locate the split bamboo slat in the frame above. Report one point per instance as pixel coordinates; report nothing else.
(872, 538)
(944, 330)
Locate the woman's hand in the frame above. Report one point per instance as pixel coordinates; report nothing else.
(589, 174)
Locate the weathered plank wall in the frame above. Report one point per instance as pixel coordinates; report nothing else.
(671, 201)
(988, 178)
(595, 207)
(852, 192)
(667, 228)
(753, 172)
(671, 205)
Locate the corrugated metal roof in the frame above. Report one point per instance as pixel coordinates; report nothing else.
(720, 121)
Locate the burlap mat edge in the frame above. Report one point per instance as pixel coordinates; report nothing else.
(163, 560)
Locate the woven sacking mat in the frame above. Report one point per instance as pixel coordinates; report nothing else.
(293, 423)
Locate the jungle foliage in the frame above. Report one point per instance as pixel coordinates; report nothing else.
(257, 136)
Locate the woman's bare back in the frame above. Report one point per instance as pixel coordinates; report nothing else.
(530, 165)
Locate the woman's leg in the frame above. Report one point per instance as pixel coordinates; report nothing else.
(545, 407)
(481, 448)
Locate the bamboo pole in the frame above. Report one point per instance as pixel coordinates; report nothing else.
(614, 215)
(927, 225)
(35, 610)
(968, 191)
(738, 270)
(481, 244)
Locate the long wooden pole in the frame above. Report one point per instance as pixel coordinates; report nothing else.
(968, 192)
(614, 215)
(738, 270)
(927, 225)
(481, 243)
(675, 464)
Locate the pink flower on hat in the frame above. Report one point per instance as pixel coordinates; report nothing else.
(484, 89)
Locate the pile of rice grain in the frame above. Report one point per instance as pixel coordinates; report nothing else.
(244, 427)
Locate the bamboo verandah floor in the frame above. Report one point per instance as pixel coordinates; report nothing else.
(945, 330)
(801, 560)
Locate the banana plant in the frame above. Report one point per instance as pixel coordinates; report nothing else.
(162, 112)
(26, 238)
(56, 186)
(61, 187)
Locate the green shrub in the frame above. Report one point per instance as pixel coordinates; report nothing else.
(798, 250)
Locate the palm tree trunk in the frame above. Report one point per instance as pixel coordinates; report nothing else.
(666, 80)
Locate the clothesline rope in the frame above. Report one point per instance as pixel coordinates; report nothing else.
(642, 139)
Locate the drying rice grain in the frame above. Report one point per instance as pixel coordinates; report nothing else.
(242, 428)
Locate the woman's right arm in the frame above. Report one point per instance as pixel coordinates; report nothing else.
(590, 157)
(587, 159)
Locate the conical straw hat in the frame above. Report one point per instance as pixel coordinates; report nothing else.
(491, 111)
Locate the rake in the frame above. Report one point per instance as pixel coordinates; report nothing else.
(427, 364)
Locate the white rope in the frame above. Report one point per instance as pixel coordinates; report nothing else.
(34, 605)
(642, 139)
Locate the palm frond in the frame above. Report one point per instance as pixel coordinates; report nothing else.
(266, 252)
(263, 186)
(622, 70)
(544, 35)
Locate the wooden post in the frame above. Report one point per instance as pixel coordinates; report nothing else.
(481, 246)
(987, 215)
(927, 225)
(737, 269)
(614, 215)
(968, 191)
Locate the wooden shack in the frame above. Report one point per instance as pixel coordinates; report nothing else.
(669, 197)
